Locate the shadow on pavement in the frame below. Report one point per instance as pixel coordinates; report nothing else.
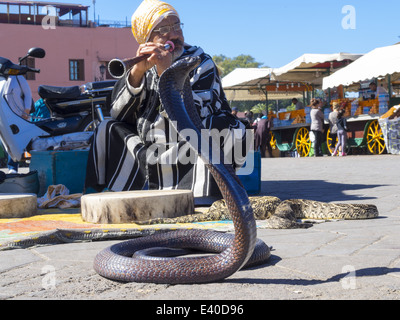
(366, 272)
(318, 190)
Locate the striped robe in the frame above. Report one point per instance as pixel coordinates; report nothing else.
(138, 149)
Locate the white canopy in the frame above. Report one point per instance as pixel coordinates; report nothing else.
(377, 63)
(310, 68)
(246, 77)
(250, 83)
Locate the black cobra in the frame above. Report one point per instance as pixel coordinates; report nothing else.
(135, 260)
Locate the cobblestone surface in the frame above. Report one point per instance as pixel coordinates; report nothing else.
(332, 260)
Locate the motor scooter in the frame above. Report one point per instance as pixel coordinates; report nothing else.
(74, 111)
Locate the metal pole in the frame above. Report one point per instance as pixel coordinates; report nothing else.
(389, 82)
(94, 11)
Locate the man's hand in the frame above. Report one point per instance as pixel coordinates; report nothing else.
(158, 57)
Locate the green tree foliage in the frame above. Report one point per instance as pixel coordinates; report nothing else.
(258, 108)
(227, 65)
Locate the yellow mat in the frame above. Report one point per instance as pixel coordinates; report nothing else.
(17, 233)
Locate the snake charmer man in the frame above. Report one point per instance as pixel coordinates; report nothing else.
(129, 151)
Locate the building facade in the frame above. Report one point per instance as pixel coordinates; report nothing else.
(76, 49)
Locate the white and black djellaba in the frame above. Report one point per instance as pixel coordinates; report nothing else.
(139, 149)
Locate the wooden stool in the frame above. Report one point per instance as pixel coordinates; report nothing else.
(17, 205)
(134, 206)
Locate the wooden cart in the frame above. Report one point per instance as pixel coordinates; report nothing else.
(292, 133)
(364, 136)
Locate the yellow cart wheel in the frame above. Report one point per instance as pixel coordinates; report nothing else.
(303, 142)
(375, 140)
(273, 142)
(331, 143)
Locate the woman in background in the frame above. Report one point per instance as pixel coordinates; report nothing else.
(317, 125)
(341, 134)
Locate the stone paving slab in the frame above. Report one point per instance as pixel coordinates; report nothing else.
(332, 260)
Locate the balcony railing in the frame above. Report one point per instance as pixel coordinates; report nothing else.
(113, 24)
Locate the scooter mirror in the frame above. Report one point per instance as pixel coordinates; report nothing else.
(36, 53)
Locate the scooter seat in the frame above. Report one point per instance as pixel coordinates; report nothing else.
(19, 183)
(100, 84)
(50, 92)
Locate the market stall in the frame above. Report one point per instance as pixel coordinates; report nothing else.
(382, 66)
(298, 79)
(248, 84)
(307, 71)
(255, 84)
(312, 68)
(289, 129)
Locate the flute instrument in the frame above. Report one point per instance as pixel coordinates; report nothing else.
(118, 67)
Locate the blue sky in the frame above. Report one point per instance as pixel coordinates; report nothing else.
(275, 32)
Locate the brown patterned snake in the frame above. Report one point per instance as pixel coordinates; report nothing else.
(281, 214)
(276, 213)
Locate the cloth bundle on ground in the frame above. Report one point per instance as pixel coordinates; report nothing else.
(57, 196)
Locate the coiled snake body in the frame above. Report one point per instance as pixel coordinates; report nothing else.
(134, 261)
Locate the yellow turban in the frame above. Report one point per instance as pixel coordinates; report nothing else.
(147, 16)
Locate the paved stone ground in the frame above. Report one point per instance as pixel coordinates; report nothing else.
(332, 260)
